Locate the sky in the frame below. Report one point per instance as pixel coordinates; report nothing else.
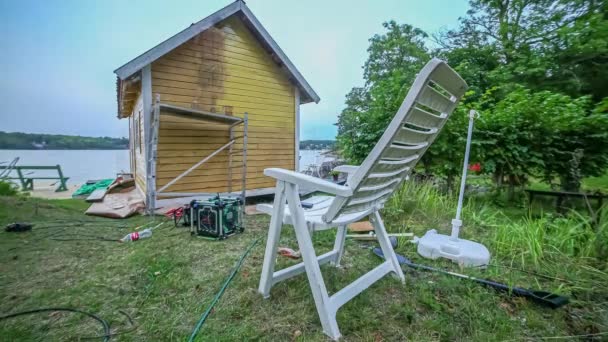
(58, 56)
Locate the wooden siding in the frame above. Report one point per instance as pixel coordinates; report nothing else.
(138, 146)
(223, 70)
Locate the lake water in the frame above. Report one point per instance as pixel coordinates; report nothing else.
(82, 165)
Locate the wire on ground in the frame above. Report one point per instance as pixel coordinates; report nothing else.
(222, 290)
(103, 322)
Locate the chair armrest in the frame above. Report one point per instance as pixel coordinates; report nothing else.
(350, 169)
(308, 182)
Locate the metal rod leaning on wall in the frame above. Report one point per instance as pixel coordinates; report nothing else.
(244, 180)
(195, 166)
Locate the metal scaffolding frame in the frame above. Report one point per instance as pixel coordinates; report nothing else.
(188, 113)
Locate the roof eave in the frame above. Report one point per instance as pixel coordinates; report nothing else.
(130, 68)
(300, 80)
(161, 49)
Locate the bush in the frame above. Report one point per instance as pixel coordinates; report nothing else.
(8, 189)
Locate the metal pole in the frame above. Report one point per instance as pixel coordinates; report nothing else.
(151, 150)
(457, 222)
(244, 179)
(231, 129)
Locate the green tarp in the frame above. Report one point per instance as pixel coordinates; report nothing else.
(86, 189)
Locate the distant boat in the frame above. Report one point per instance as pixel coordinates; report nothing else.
(39, 146)
(323, 165)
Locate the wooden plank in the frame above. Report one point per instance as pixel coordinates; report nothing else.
(224, 73)
(279, 144)
(205, 62)
(218, 181)
(193, 114)
(217, 169)
(222, 164)
(266, 110)
(263, 132)
(198, 53)
(258, 116)
(141, 182)
(210, 147)
(228, 45)
(363, 226)
(97, 195)
(264, 139)
(261, 120)
(172, 159)
(226, 83)
(232, 89)
(208, 175)
(170, 123)
(373, 237)
(230, 52)
(216, 186)
(282, 103)
(268, 155)
(205, 59)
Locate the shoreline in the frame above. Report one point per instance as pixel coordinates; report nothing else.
(64, 149)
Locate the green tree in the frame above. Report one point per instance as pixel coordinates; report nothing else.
(543, 134)
(535, 69)
(395, 58)
(558, 45)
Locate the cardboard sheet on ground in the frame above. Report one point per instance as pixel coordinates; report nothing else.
(117, 205)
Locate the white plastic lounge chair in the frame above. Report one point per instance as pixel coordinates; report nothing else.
(432, 98)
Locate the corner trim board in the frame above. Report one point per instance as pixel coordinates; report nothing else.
(297, 129)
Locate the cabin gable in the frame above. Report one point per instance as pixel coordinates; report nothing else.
(223, 70)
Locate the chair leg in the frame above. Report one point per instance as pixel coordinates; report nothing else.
(385, 244)
(274, 233)
(339, 245)
(327, 313)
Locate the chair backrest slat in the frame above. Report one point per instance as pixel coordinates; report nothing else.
(431, 99)
(421, 118)
(379, 186)
(411, 136)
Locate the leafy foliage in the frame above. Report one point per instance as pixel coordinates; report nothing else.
(537, 71)
(537, 133)
(8, 189)
(394, 60)
(317, 144)
(28, 141)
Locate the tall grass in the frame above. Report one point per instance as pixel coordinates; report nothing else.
(421, 204)
(514, 236)
(416, 202)
(573, 236)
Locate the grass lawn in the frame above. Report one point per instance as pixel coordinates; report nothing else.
(596, 183)
(166, 282)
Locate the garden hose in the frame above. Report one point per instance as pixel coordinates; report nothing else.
(104, 323)
(222, 290)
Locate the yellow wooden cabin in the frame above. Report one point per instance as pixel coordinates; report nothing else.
(219, 99)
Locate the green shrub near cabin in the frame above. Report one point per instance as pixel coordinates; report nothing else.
(8, 189)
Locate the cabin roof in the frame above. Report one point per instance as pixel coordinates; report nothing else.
(128, 71)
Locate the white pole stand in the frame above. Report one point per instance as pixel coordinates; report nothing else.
(464, 252)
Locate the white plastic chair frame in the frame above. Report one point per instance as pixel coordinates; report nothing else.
(431, 99)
